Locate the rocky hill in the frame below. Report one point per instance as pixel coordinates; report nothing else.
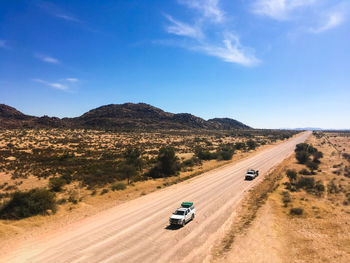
(117, 116)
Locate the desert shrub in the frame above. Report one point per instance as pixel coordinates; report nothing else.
(56, 184)
(118, 186)
(29, 203)
(191, 162)
(251, 144)
(73, 196)
(133, 157)
(127, 171)
(203, 154)
(292, 175)
(285, 198)
(296, 211)
(302, 156)
(312, 166)
(306, 183)
(304, 171)
(240, 145)
(304, 151)
(319, 188)
(225, 153)
(332, 188)
(167, 163)
(104, 191)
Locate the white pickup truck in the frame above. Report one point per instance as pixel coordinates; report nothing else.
(183, 214)
(251, 174)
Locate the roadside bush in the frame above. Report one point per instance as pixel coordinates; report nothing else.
(167, 163)
(285, 198)
(292, 175)
(25, 204)
(56, 184)
(304, 171)
(118, 186)
(296, 211)
(191, 162)
(307, 183)
(225, 153)
(312, 166)
(240, 145)
(302, 156)
(251, 144)
(204, 154)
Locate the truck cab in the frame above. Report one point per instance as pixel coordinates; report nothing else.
(183, 214)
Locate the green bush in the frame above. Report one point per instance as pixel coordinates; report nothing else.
(296, 211)
(251, 144)
(304, 171)
(56, 184)
(118, 186)
(306, 183)
(203, 154)
(29, 203)
(167, 163)
(225, 153)
(302, 156)
(292, 175)
(312, 166)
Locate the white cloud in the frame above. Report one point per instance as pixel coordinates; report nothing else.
(279, 9)
(56, 11)
(231, 51)
(332, 20)
(217, 42)
(183, 29)
(47, 59)
(55, 85)
(72, 80)
(209, 8)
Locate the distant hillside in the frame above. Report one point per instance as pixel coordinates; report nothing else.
(118, 116)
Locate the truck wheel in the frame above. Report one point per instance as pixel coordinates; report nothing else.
(192, 217)
(183, 222)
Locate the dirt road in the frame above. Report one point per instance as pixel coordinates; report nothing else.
(137, 231)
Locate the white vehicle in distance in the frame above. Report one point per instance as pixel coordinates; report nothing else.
(183, 214)
(251, 174)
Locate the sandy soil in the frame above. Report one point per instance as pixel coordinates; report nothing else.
(138, 230)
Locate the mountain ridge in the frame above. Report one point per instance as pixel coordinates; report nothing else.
(118, 116)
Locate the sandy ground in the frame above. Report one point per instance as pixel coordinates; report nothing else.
(138, 230)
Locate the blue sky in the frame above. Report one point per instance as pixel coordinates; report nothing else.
(267, 63)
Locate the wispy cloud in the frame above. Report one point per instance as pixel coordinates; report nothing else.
(332, 20)
(231, 51)
(72, 80)
(209, 8)
(279, 9)
(182, 29)
(55, 85)
(47, 59)
(57, 12)
(213, 40)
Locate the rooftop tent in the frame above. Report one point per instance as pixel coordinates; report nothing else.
(187, 204)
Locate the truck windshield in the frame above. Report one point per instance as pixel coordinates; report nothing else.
(250, 172)
(180, 213)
